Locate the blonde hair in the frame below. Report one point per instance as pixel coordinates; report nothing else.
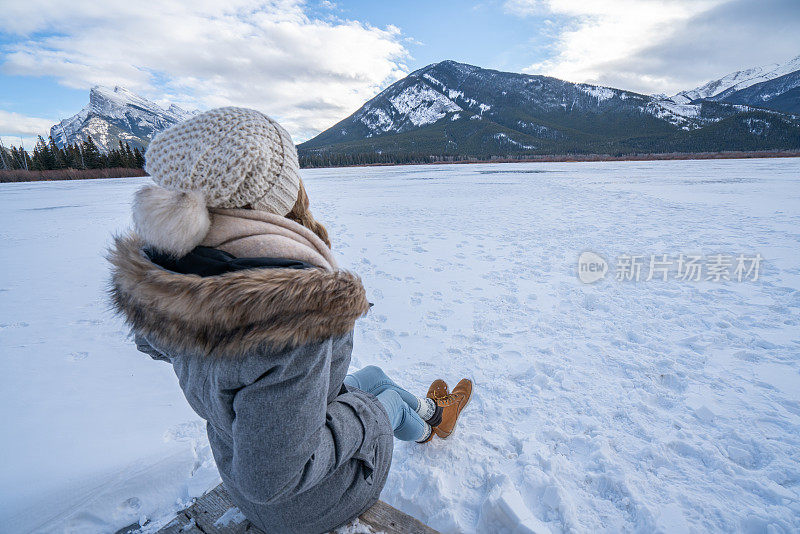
(302, 214)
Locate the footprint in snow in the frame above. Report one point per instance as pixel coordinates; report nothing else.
(20, 324)
(90, 322)
(130, 505)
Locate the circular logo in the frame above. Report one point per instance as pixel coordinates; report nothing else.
(591, 267)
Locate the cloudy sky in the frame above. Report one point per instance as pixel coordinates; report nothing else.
(311, 63)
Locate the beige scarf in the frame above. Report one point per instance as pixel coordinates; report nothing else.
(253, 234)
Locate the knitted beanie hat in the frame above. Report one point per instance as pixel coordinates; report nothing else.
(235, 157)
(223, 158)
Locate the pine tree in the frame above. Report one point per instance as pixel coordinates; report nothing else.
(77, 156)
(59, 159)
(16, 159)
(43, 158)
(138, 158)
(70, 161)
(92, 157)
(130, 157)
(5, 157)
(66, 154)
(27, 162)
(114, 158)
(123, 156)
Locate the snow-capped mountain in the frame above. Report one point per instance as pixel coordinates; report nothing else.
(780, 94)
(454, 108)
(737, 81)
(114, 115)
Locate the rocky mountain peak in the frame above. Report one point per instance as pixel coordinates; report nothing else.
(117, 114)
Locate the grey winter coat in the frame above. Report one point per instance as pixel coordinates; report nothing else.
(261, 355)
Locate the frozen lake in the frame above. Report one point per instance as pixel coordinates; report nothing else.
(622, 405)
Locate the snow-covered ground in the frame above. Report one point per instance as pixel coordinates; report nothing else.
(619, 406)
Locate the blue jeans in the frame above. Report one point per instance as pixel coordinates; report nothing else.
(399, 404)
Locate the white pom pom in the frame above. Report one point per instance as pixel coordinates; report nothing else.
(173, 222)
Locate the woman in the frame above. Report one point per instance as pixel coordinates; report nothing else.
(229, 277)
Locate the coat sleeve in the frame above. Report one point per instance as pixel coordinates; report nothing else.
(286, 436)
(144, 346)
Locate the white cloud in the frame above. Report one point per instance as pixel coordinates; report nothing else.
(268, 55)
(22, 130)
(14, 125)
(598, 36)
(732, 36)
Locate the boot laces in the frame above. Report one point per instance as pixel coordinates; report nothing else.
(448, 399)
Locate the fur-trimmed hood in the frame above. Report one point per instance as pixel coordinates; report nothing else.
(233, 313)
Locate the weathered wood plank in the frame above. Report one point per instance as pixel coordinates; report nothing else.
(214, 513)
(181, 525)
(385, 518)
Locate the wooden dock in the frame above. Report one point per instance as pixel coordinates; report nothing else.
(213, 513)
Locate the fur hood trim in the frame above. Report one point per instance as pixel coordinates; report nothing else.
(233, 313)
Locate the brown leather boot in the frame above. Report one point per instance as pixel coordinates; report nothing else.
(437, 390)
(452, 404)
